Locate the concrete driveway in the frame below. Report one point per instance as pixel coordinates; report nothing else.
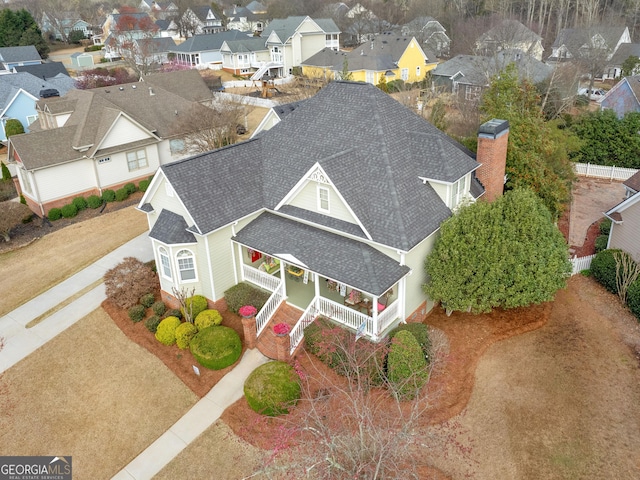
(591, 198)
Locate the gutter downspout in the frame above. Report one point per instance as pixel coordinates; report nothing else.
(233, 253)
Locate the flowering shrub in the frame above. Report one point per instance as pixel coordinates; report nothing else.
(281, 329)
(247, 311)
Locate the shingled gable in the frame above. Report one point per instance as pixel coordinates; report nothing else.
(367, 143)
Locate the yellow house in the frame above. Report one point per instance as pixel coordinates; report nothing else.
(388, 55)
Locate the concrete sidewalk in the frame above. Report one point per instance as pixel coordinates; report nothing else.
(20, 341)
(200, 417)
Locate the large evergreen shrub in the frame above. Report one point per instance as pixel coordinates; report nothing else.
(272, 389)
(216, 347)
(245, 294)
(603, 269)
(406, 365)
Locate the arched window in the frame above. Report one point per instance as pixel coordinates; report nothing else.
(165, 263)
(186, 266)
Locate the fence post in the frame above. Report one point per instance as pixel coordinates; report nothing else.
(613, 168)
(588, 164)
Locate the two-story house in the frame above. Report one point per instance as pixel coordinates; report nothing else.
(576, 43)
(243, 19)
(65, 23)
(91, 140)
(244, 56)
(510, 35)
(201, 19)
(430, 33)
(346, 192)
(203, 51)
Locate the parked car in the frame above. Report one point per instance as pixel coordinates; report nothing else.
(596, 94)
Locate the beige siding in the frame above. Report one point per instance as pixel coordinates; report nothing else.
(117, 169)
(160, 200)
(311, 45)
(415, 260)
(626, 235)
(124, 131)
(64, 180)
(307, 198)
(441, 189)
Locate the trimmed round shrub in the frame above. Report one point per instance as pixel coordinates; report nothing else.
(94, 201)
(173, 312)
(159, 308)
(69, 211)
(143, 185)
(208, 318)
(601, 243)
(147, 300)
(184, 334)
(216, 347)
(633, 298)
(272, 389)
(152, 323)
(130, 188)
(55, 214)
(166, 332)
(80, 203)
(195, 305)
(603, 269)
(136, 313)
(605, 226)
(122, 194)
(109, 196)
(420, 332)
(406, 365)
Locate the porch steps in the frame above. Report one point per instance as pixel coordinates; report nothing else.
(266, 341)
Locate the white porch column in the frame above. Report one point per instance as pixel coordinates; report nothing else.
(241, 269)
(375, 332)
(316, 279)
(402, 289)
(283, 279)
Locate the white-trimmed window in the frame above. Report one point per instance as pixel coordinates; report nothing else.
(323, 199)
(404, 74)
(26, 181)
(458, 191)
(137, 159)
(369, 78)
(472, 93)
(186, 266)
(31, 119)
(176, 145)
(165, 263)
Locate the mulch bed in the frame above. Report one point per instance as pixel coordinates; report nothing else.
(589, 245)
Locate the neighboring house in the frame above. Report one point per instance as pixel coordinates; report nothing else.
(150, 51)
(168, 29)
(11, 57)
(614, 68)
(243, 19)
(244, 56)
(202, 20)
(467, 76)
(625, 220)
(624, 96)
(19, 93)
(510, 35)
(124, 29)
(159, 10)
(43, 70)
(66, 23)
(347, 192)
(575, 43)
(256, 8)
(293, 40)
(91, 140)
(203, 51)
(387, 55)
(430, 34)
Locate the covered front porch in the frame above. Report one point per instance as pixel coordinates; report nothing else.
(342, 279)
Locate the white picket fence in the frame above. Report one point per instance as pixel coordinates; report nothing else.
(581, 263)
(604, 171)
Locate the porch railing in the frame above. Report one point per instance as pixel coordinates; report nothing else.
(388, 315)
(345, 315)
(269, 309)
(262, 279)
(297, 332)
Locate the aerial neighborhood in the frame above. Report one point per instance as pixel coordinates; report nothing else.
(315, 239)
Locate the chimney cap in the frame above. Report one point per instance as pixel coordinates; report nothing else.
(494, 127)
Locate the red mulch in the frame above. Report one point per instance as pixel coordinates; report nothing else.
(180, 362)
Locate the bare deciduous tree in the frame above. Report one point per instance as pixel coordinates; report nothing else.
(12, 214)
(128, 281)
(182, 295)
(627, 272)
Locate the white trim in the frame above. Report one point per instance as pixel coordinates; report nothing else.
(35, 99)
(622, 206)
(123, 114)
(179, 270)
(161, 265)
(210, 267)
(320, 190)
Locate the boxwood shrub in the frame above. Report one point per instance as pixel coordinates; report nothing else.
(69, 211)
(159, 308)
(130, 188)
(184, 334)
(143, 185)
(601, 243)
(136, 313)
(216, 347)
(208, 318)
(195, 305)
(147, 300)
(633, 298)
(166, 332)
(54, 214)
(122, 194)
(80, 203)
(603, 269)
(94, 201)
(420, 332)
(173, 312)
(109, 195)
(272, 389)
(406, 365)
(152, 323)
(245, 294)
(605, 226)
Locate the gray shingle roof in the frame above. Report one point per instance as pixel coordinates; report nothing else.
(334, 256)
(171, 229)
(633, 182)
(207, 42)
(11, 83)
(286, 27)
(624, 51)
(574, 38)
(27, 53)
(366, 142)
(248, 44)
(44, 70)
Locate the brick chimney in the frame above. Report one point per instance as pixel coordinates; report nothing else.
(492, 154)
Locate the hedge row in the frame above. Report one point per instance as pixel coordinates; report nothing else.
(603, 269)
